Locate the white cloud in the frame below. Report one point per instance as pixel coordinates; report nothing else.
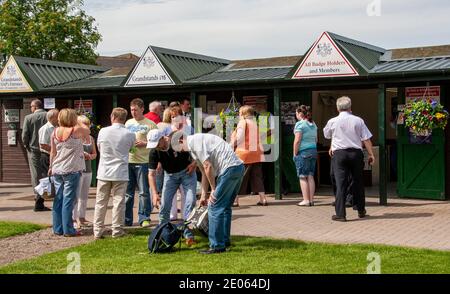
(238, 29)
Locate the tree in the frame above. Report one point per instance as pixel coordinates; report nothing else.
(49, 29)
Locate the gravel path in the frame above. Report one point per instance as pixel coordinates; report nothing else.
(37, 243)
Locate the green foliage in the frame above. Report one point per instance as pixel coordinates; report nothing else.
(228, 119)
(50, 29)
(227, 123)
(248, 255)
(9, 229)
(424, 115)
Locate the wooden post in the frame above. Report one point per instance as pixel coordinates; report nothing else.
(115, 100)
(197, 127)
(277, 165)
(382, 143)
(94, 162)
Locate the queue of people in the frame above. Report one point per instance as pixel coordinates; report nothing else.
(156, 158)
(348, 134)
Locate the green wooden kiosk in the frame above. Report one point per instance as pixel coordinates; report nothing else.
(378, 80)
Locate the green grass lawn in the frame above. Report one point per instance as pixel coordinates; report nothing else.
(8, 229)
(248, 255)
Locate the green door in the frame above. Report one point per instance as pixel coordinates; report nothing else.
(421, 167)
(287, 165)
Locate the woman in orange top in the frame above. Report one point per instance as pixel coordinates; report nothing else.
(245, 140)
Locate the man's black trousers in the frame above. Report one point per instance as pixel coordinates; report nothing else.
(345, 163)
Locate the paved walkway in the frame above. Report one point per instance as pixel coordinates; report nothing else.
(413, 223)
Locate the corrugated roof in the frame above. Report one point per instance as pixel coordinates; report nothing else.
(46, 74)
(266, 62)
(366, 55)
(248, 74)
(420, 52)
(116, 71)
(94, 83)
(184, 66)
(412, 65)
(126, 60)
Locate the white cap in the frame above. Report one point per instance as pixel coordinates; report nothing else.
(154, 136)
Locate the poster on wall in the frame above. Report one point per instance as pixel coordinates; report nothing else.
(49, 103)
(12, 115)
(83, 105)
(417, 93)
(288, 112)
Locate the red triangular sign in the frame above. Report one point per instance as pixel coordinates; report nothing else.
(325, 59)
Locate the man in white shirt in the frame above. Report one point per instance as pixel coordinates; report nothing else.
(114, 144)
(45, 134)
(215, 158)
(348, 133)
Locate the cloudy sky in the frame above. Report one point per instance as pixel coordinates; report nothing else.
(242, 29)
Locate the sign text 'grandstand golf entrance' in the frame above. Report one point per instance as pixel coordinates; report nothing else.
(12, 79)
(323, 60)
(149, 72)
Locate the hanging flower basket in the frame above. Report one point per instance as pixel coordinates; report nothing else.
(422, 116)
(229, 118)
(95, 128)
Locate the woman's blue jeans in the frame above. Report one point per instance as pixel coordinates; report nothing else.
(171, 184)
(66, 192)
(219, 213)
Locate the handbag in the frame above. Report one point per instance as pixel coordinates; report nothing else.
(198, 219)
(46, 188)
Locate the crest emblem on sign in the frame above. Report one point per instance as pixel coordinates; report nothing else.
(149, 62)
(11, 70)
(324, 49)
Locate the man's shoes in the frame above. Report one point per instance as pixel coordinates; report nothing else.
(362, 214)
(39, 205)
(212, 251)
(42, 208)
(119, 235)
(262, 203)
(145, 224)
(338, 218)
